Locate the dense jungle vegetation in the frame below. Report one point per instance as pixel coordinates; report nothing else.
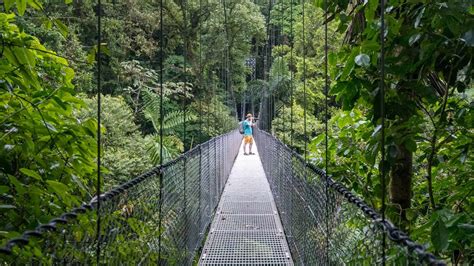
(223, 59)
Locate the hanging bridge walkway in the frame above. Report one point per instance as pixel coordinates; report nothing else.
(214, 206)
(246, 228)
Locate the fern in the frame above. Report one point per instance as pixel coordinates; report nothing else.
(172, 122)
(172, 147)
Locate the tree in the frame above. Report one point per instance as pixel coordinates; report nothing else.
(125, 154)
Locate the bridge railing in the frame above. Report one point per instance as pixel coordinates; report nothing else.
(143, 221)
(324, 223)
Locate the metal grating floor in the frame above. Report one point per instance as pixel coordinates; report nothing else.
(246, 207)
(246, 229)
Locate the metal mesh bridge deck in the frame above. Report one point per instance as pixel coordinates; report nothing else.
(246, 229)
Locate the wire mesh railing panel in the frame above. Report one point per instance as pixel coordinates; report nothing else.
(137, 227)
(324, 223)
(219, 166)
(205, 206)
(285, 195)
(307, 219)
(213, 176)
(172, 221)
(349, 230)
(193, 201)
(129, 230)
(131, 217)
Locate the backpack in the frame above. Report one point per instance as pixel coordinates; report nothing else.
(241, 127)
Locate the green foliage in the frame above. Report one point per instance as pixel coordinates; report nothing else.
(282, 127)
(428, 66)
(47, 157)
(428, 103)
(215, 117)
(48, 162)
(21, 5)
(353, 151)
(171, 124)
(125, 153)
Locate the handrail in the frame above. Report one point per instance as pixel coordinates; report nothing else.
(220, 151)
(396, 235)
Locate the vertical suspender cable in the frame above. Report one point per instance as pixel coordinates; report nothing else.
(270, 51)
(291, 73)
(382, 114)
(185, 81)
(226, 60)
(99, 91)
(185, 62)
(162, 57)
(200, 74)
(326, 85)
(200, 121)
(304, 91)
(281, 60)
(227, 89)
(326, 118)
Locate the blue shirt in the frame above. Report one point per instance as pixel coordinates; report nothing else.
(247, 128)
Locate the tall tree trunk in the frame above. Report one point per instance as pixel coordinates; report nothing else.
(401, 180)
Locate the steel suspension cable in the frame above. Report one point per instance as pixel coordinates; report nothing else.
(185, 84)
(326, 118)
(226, 61)
(291, 73)
(185, 62)
(281, 60)
(200, 139)
(382, 113)
(270, 51)
(200, 75)
(162, 57)
(99, 135)
(304, 89)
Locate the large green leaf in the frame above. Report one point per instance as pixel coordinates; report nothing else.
(58, 187)
(62, 28)
(31, 173)
(439, 235)
(21, 6)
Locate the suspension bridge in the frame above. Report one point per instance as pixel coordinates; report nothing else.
(214, 206)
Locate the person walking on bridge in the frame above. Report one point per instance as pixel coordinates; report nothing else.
(248, 125)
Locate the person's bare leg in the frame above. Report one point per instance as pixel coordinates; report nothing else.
(245, 144)
(250, 147)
